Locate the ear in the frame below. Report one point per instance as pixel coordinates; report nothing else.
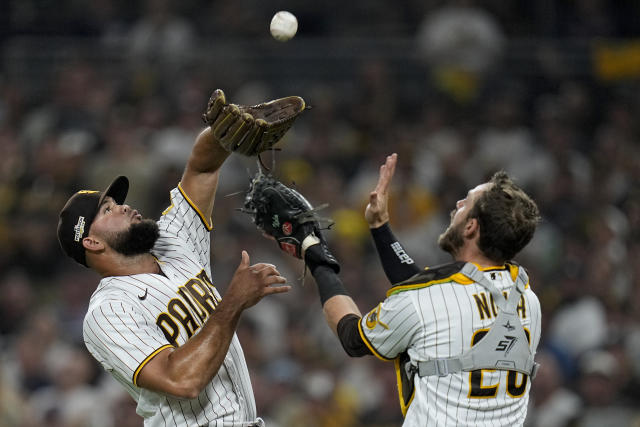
(471, 227)
(93, 244)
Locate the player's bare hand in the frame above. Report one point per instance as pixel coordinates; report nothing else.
(250, 283)
(377, 211)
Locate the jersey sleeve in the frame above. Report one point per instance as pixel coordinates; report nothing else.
(183, 221)
(121, 339)
(388, 329)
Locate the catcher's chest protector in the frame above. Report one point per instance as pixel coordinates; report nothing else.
(504, 347)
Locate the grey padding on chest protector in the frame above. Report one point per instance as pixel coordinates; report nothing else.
(504, 347)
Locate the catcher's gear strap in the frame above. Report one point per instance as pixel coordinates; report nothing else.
(405, 372)
(396, 263)
(350, 337)
(329, 284)
(504, 347)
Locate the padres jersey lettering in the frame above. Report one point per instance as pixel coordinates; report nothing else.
(195, 297)
(132, 318)
(439, 317)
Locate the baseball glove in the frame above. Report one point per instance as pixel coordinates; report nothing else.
(285, 215)
(251, 130)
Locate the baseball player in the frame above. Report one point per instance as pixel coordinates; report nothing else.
(462, 335)
(156, 321)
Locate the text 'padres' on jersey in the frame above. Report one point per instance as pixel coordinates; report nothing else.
(132, 318)
(439, 317)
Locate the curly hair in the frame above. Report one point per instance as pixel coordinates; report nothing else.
(507, 217)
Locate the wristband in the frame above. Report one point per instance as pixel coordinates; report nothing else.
(329, 284)
(308, 241)
(396, 263)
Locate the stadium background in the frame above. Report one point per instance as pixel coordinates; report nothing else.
(546, 90)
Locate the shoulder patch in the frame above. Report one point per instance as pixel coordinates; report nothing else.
(439, 274)
(373, 318)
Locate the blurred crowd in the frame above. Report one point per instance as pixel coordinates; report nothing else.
(570, 140)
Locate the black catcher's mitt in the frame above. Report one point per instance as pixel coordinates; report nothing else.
(284, 214)
(251, 130)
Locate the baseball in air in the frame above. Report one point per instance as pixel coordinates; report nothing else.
(283, 26)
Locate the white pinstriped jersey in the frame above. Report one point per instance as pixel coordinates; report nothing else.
(440, 318)
(131, 318)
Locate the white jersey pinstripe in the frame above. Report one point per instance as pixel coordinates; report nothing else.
(440, 319)
(132, 318)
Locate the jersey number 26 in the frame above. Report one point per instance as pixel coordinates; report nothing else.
(516, 381)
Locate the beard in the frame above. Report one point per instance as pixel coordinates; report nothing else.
(451, 240)
(138, 239)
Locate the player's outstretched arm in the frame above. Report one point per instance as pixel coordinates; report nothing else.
(297, 232)
(184, 371)
(340, 311)
(200, 178)
(396, 263)
(227, 125)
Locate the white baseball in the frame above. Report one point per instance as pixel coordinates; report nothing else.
(283, 26)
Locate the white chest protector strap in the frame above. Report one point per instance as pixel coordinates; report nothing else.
(504, 347)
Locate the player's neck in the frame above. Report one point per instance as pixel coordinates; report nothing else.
(128, 265)
(471, 253)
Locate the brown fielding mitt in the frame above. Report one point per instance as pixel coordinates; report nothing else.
(251, 130)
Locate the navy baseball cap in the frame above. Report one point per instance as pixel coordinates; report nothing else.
(80, 211)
